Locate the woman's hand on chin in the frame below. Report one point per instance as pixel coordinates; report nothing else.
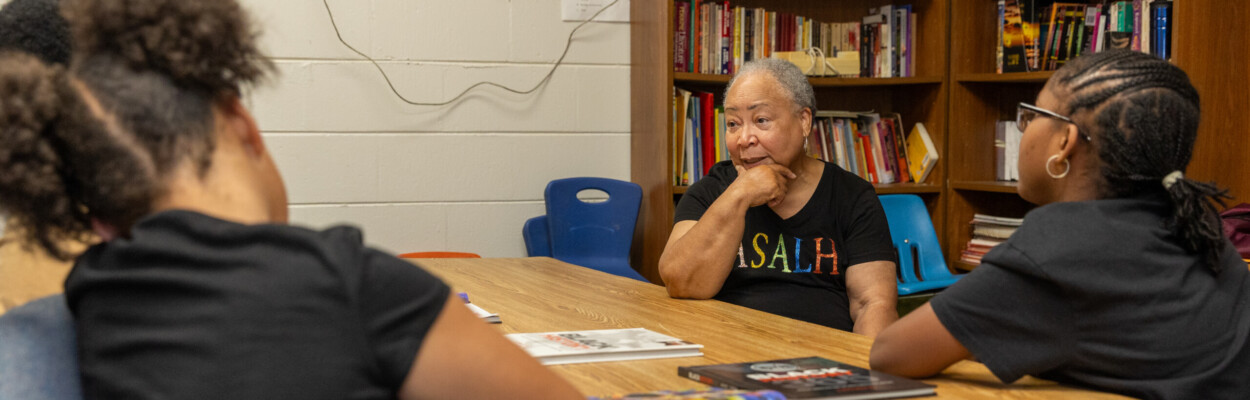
(764, 184)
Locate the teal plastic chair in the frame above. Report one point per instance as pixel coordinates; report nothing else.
(595, 235)
(38, 352)
(913, 235)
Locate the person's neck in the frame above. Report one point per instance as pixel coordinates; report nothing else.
(219, 193)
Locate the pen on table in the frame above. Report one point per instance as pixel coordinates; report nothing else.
(463, 296)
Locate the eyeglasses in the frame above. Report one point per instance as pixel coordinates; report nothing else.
(1025, 113)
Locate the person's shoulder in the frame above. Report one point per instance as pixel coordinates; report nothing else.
(845, 181)
(723, 170)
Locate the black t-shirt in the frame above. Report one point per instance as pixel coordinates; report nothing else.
(794, 267)
(193, 307)
(1101, 294)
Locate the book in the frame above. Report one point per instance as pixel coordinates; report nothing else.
(808, 378)
(699, 394)
(570, 347)
(922, 155)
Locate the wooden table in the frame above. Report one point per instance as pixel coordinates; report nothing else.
(543, 294)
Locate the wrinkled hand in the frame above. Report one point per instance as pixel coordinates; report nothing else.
(765, 184)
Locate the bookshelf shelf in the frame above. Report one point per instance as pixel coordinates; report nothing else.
(817, 82)
(908, 188)
(964, 266)
(859, 82)
(1018, 77)
(892, 188)
(984, 186)
(690, 77)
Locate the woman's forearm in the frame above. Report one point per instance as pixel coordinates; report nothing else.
(699, 255)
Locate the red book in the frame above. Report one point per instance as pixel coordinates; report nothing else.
(866, 142)
(707, 102)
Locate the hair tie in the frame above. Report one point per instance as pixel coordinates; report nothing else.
(1171, 179)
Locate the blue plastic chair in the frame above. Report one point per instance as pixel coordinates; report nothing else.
(38, 352)
(537, 240)
(595, 235)
(912, 232)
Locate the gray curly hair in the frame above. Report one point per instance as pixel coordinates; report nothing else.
(787, 74)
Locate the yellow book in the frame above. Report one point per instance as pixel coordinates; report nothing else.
(922, 156)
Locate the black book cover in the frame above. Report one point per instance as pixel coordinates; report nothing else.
(808, 378)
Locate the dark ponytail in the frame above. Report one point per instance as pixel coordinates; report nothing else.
(1144, 113)
(53, 176)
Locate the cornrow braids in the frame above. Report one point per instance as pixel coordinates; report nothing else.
(1144, 114)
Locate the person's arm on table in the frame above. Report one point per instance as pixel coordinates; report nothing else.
(465, 358)
(873, 293)
(700, 254)
(916, 346)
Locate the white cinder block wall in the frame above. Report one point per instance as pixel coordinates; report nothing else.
(462, 177)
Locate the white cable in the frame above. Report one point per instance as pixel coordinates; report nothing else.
(540, 83)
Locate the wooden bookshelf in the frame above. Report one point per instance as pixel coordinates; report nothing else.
(957, 95)
(1208, 43)
(918, 99)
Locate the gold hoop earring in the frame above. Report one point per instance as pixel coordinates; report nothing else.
(1067, 166)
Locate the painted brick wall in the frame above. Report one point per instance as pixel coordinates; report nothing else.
(462, 177)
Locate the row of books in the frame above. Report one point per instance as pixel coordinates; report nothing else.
(873, 147)
(808, 377)
(717, 38)
(987, 231)
(1036, 36)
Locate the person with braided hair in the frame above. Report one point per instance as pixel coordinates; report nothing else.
(198, 288)
(1121, 280)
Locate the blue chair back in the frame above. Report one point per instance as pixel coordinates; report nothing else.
(38, 352)
(913, 235)
(537, 240)
(593, 234)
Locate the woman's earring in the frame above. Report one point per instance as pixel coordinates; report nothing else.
(1066, 167)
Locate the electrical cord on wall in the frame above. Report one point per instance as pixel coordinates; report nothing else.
(540, 83)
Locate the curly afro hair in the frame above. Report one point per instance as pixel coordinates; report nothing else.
(90, 144)
(36, 27)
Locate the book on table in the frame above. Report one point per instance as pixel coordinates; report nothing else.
(808, 378)
(552, 348)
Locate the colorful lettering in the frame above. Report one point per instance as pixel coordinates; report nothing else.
(756, 242)
(780, 253)
(798, 261)
(742, 261)
(832, 255)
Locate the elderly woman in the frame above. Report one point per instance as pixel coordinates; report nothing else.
(778, 231)
(1121, 280)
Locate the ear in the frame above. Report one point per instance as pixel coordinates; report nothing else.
(805, 118)
(241, 124)
(1067, 140)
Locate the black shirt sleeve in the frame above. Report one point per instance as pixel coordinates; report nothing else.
(1012, 318)
(867, 232)
(399, 303)
(700, 196)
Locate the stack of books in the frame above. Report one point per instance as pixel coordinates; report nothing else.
(1036, 36)
(715, 38)
(987, 231)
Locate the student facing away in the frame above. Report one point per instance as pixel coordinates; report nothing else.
(1122, 280)
(200, 289)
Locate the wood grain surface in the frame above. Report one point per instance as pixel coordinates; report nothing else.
(543, 294)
